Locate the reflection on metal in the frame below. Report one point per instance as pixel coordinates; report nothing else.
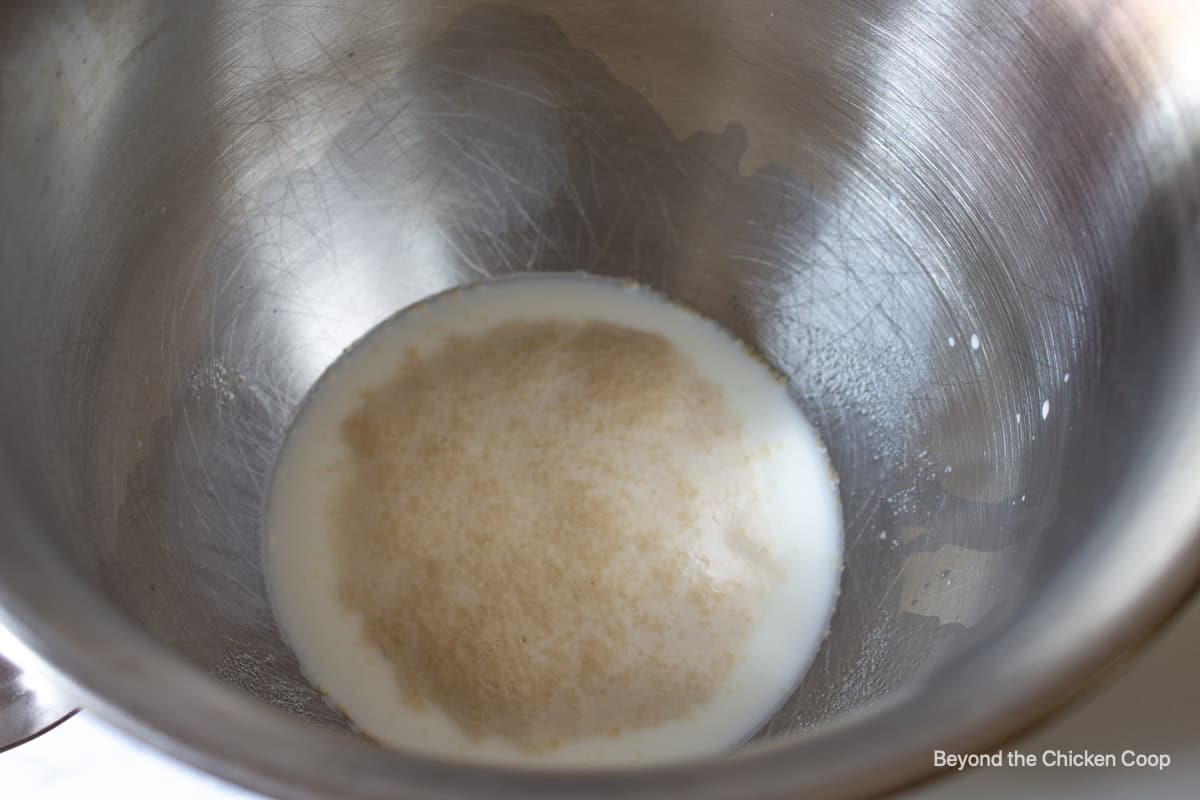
(29, 704)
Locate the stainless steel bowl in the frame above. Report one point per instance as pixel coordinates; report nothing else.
(967, 231)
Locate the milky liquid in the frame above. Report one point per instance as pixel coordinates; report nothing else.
(799, 515)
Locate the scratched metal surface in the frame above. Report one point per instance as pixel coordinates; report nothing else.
(962, 230)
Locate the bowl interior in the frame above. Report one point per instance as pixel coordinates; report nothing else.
(948, 234)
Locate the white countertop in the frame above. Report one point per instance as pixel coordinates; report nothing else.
(1154, 707)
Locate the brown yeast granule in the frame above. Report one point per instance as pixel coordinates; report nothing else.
(549, 528)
